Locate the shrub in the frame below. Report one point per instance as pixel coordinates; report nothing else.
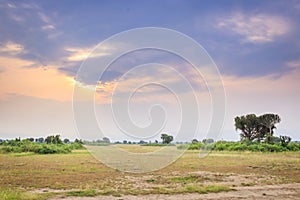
(52, 149)
(14, 146)
(75, 146)
(192, 146)
(195, 146)
(207, 147)
(11, 149)
(242, 146)
(294, 146)
(254, 147)
(237, 147)
(222, 145)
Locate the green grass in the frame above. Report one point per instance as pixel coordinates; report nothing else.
(187, 179)
(83, 193)
(15, 194)
(205, 189)
(191, 188)
(153, 190)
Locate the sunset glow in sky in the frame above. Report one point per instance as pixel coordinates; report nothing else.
(255, 45)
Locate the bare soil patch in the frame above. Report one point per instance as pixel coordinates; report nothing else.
(267, 192)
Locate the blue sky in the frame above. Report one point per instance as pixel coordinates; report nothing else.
(255, 45)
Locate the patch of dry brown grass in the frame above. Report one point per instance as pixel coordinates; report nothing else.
(285, 165)
(81, 171)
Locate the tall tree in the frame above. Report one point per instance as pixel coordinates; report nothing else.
(257, 128)
(40, 140)
(66, 141)
(285, 140)
(49, 139)
(53, 139)
(249, 125)
(166, 139)
(269, 121)
(106, 140)
(57, 140)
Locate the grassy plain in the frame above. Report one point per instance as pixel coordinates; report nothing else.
(32, 176)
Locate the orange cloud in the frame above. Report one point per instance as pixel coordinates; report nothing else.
(11, 48)
(37, 82)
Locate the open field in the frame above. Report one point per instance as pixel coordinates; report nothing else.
(219, 175)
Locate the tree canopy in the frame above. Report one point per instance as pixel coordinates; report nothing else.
(269, 121)
(166, 139)
(254, 127)
(53, 139)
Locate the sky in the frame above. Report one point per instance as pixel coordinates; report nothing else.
(254, 44)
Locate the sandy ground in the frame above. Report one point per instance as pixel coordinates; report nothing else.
(283, 191)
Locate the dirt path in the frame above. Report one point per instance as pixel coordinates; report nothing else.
(284, 191)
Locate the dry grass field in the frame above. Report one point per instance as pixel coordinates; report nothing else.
(220, 174)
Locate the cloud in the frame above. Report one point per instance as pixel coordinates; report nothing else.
(43, 17)
(17, 18)
(152, 81)
(294, 64)
(30, 6)
(19, 78)
(77, 54)
(266, 90)
(48, 27)
(80, 54)
(7, 62)
(11, 5)
(11, 48)
(136, 69)
(259, 28)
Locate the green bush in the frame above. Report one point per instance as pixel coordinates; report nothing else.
(53, 149)
(238, 147)
(76, 146)
(14, 146)
(295, 146)
(254, 147)
(220, 146)
(195, 146)
(242, 146)
(223, 146)
(272, 148)
(192, 146)
(11, 149)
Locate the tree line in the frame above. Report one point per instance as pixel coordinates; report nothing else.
(51, 139)
(256, 134)
(49, 145)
